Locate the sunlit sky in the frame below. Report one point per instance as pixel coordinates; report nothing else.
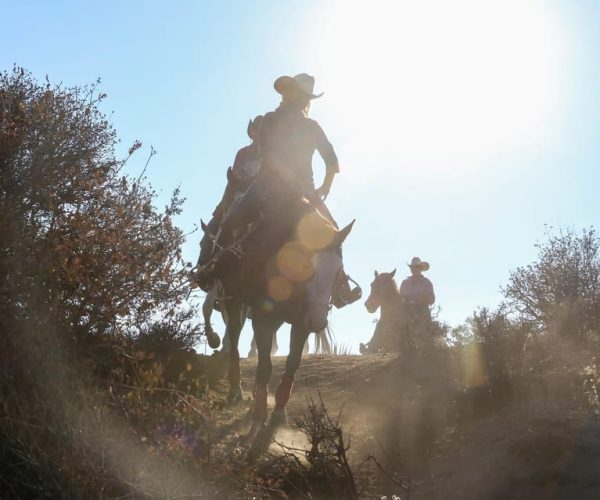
(462, 127)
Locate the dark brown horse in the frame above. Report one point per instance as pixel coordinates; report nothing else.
(284, 268)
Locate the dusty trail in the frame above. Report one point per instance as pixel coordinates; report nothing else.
(528, 450)
(339, 378)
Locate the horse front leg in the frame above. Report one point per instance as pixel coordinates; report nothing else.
(252, 352)
(264, 329)
(298, 338)
(234, 327)
(259, 435)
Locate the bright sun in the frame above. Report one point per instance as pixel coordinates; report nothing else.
(437, 84)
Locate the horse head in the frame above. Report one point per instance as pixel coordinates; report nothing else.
(327, 264)
(383, 288)
(207, 245)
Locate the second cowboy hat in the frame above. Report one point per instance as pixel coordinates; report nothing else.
(302, 82)
(418, 263)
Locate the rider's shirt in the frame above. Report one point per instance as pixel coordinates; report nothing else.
(288, 140)
(245, 168)
(246, 165)
(418, 290)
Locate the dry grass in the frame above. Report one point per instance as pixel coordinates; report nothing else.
(66, 431)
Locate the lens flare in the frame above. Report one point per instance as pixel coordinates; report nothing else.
(315, 231)
(279, 288)
(267, 306)
(294, 262)
(473, 369)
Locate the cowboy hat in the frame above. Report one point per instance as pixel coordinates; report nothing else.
(254, 126)
(419, 264)
(302, 82)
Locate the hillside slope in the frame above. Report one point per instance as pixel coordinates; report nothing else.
(448, 443)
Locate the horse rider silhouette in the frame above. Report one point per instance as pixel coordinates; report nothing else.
(285, 141)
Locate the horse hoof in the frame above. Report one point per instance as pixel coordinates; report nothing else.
(257, 427)
(213, 339)
(278, 418)
(235, 395)
(260, 439)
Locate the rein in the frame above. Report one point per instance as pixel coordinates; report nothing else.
(235, 248)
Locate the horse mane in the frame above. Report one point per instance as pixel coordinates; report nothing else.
(395, 290)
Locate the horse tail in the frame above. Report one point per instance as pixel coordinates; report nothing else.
(326, 340)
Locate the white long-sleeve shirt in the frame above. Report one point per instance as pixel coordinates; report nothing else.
(418, 289)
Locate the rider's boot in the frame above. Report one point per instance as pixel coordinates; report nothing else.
(342, 293)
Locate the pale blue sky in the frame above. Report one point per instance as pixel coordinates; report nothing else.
(460, 134)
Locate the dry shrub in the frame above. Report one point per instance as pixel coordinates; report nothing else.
(322, 469)
(503, 360)
(560, 291)
(87, 266)
(134, 434)
(80, 243)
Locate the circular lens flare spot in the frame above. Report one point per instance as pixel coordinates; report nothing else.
(279, 288)
(267, 306)
(294, 262)
(315, 231)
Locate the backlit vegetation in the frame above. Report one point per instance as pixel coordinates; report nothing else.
(102, 395)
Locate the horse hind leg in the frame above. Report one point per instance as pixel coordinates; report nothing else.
(274, 345)
(324, 336)
(305, 348)
(252, 353)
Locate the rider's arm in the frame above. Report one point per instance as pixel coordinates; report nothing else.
(325, 149)
(429, 295)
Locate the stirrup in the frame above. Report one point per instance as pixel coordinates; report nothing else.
(342, 295)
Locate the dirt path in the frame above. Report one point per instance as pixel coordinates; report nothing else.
(532, 450)
(339, 378)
